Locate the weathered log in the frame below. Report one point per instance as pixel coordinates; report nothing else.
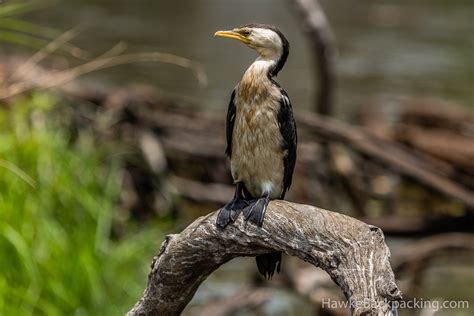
(353, 253)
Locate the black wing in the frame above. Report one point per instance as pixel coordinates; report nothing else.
(229, 124)
(287, 126)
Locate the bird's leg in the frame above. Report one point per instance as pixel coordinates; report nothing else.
(228, 214)
(255, 211)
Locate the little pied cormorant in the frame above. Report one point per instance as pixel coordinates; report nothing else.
(261, 133)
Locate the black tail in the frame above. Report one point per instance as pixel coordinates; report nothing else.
(267, 263)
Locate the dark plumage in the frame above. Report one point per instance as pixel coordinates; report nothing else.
(288, 131)
(229, 126)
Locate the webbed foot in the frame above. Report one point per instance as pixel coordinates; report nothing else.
(255, 211)
(228, 214)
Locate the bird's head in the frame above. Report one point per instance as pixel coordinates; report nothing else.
(267, 40)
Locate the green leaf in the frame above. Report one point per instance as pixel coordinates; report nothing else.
(15, 9)
(22, 39)
(18, 25)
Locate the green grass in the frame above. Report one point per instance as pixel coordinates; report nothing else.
(57, 200)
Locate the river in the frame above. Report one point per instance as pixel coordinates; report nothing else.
(384, 49)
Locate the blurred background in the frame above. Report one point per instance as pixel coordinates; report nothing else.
(112, 136)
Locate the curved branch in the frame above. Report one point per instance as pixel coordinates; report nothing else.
(353, 253)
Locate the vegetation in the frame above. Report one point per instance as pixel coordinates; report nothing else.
(18, 31)
(57, 200)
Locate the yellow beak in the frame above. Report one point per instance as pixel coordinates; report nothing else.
(234, 35)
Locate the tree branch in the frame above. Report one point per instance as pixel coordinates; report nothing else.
(353, 253)
(316, 27)
(388, 154)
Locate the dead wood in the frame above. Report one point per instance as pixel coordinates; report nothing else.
(456, 149)
(415, 258)
(428, 248)
(353, 253)
(421, 226)
(388, 154)
(440, 132)
(435, 113)
(316, 286)
(411, 259)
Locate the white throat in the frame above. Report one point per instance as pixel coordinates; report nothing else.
(261, 67)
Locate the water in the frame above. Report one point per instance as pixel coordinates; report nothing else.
(384, 48)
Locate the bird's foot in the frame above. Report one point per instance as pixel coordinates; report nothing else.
(228, 214)
(255, 211)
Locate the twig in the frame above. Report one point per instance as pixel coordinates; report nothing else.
(64, 76)
(43, 53)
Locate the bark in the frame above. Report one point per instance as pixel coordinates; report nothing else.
(353, 253)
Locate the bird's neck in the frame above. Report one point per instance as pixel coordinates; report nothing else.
(256, 81)
(260, 71)
(263, 66)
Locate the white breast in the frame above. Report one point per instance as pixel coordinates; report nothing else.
(257, 157)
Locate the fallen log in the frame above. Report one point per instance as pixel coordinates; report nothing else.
(388, 154)
(353, 253)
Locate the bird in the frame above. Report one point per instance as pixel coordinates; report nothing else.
(260, 132)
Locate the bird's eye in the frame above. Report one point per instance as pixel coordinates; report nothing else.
(245, 33)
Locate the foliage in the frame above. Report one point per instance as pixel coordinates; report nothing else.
(18, 31)
(57, 200)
